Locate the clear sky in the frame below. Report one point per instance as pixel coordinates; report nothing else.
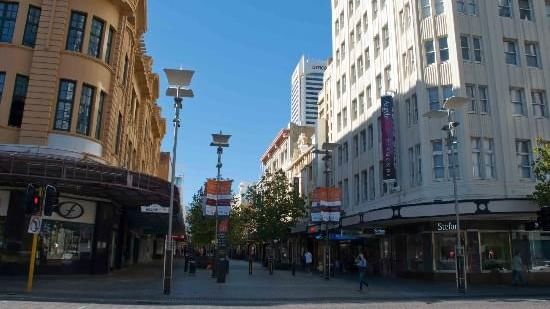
(243, 52)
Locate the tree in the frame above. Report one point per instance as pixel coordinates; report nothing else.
(200, 228)
(277, 207)
(542, 173)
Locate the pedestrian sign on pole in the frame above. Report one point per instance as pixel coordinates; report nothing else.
(35, 224)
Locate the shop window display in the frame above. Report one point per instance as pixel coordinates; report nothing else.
(66, 242)
(445, 244)
(534, 250)
(495, 251)
(415, 253)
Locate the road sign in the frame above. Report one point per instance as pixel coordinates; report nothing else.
(35, 224)
(155, 208)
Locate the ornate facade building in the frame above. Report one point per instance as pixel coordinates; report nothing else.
(78, 111)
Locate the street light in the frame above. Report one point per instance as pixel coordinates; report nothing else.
(448, 110)
(178, 81)
(327, 152)
(220, 141)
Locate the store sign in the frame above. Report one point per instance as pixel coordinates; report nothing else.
(379, 231)
(441, 227)
(70, 210)
(155, 208)
(388, 147)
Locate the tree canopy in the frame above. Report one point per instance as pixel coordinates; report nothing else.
(542, 173)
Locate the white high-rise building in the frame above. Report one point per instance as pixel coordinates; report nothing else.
(421, 52)
(307, 81)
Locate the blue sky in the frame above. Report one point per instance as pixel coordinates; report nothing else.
(243, 53)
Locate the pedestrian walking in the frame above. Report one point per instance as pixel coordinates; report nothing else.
(517, 270)
(361, 263)
(308, 258)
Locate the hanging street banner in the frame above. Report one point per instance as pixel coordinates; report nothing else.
(388, 146)
(218, 197)
(326, 203)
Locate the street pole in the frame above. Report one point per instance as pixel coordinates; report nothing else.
(460, 267)
(327, 244)
(216, 268)
(168, 255)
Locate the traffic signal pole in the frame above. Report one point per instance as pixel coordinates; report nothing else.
(32, 258)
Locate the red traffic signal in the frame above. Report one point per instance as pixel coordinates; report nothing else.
(32, 200)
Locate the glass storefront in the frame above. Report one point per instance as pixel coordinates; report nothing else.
(415, 252)
(534, 249)
(65, 242)
(495, 251)
(445, 244)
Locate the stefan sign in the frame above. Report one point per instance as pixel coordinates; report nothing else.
(441, 227)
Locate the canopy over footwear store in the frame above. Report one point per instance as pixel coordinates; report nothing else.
(97, 226)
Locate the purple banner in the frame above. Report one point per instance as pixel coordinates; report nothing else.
(388, 146)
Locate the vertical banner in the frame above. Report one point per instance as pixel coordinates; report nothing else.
(218, 197)
(388, 146)
(326, 204)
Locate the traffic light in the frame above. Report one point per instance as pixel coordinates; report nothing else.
(51, 199)
(544, 218)
(32, 200)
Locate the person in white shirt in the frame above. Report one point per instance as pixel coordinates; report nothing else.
(361, 263)
(309, 260)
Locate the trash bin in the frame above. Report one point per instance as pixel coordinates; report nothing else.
(192, 267)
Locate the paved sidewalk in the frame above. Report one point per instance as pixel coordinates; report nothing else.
(143, 285)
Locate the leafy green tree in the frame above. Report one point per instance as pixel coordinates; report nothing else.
(542, 173)
(200, 228)
(277, 207)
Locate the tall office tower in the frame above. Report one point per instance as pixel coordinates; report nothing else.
(495, 54)
(307, 81)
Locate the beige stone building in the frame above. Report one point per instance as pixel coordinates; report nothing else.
(74, 76)
(78, 112)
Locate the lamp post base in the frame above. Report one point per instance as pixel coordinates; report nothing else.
(461, 275)
(167, 282)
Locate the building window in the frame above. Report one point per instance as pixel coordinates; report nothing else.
(374, 8)
(476, 157)
(372, 186)
(471, 92)
(343, 50)
(125, 71)
(465, 47)
(345, 117)
(525, 11)
(495, 251)
(412, 169)
(387, 80)
(426, 9)
(367, 58)
(345, 149)
(96, 38)
(8, 16)
(64, 107)
(357, 190)
(354, 109)
(118, 134)
(447, 92)
(85, 110)
(523, 154)
(538, 100)
(517, 97)
(414, 103)
(468, 7)
(339, 122)
(361, 103)
(378, 86)
(353, 74)
(356, 145)
(376, 46)
(510, 52)
(2, 81)
(483, 99)
(337, 56)
(338, 89)
(99, 116)
(433, 96)
(532, 54)
(437, 155)
(370, 136)
(76, 31)
(336, 26)
(505, 8)
(18, 101)
(477, 49)
(31, 27)
(364, 185)
(409, 112)
(351, 40)
(360, 67)
(350, 7)
(369, 96)
(445, 246)
(365, 22)
(418, 159)
(346, 192)
(439, 7)
(342, 20)
(344, 83)
(358, 32)
(443, 49)
(385, 36)
(363, 137)
(430, 51)
(489, 158)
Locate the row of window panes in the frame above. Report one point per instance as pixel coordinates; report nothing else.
(64, 108)
(8, 18)
(505, 9)
(75, 36)
(430, 50)
(532, 55)
(538, 102)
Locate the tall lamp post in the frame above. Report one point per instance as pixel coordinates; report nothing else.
(449, 107)
(220, 141)
(178, 81)
(327, 156)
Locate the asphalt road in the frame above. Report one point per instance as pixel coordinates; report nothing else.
(482, 304)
